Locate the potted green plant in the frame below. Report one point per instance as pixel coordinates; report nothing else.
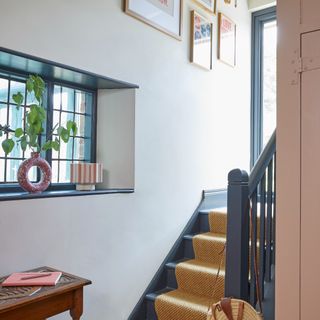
(29, 136)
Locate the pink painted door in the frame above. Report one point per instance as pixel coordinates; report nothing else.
(310, 17)
(310, 175)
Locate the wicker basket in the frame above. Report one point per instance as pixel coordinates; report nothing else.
(249, 313)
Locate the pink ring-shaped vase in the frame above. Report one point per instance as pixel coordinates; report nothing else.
(45, 169)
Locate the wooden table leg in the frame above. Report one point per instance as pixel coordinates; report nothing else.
(77, 309)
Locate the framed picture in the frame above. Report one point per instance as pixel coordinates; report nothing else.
(209, 5)
(164, 15)
(226, 40)
(229, 2)
(201, 41)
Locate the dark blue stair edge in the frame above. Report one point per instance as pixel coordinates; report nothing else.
(152, 296)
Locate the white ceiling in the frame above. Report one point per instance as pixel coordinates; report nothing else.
(260, 4)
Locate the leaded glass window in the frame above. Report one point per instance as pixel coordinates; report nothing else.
(63, 103)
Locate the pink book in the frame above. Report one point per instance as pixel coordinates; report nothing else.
(27, 279)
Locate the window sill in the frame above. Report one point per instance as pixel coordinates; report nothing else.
(7, 196)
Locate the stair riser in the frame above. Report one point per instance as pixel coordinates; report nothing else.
(171, 279)
(188, 249)
(200, 284)
(151, 311)
(208, 250)
(204, 223)
(218, 222)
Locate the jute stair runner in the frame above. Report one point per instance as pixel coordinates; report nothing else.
(198, 285)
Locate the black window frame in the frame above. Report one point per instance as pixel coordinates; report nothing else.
(21, 77)
(259, 18)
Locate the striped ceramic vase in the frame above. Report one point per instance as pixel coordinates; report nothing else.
(86, 175)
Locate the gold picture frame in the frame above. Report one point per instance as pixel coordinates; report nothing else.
(229, 2)
(227, 40)
(201, 41)
(140, 16)
(209, 8)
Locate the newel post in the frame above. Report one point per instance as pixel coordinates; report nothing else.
(237, 252)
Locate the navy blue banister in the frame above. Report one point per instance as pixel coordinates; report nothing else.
(236, 280)
(253, 193)
(262, 163)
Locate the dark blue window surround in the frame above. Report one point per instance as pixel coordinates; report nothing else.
(259, 19)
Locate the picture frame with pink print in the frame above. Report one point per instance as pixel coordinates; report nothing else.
(226, 40)
(163, 15)
(201, 41)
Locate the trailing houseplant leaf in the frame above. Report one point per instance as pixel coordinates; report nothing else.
(18, 99)
(23, 143)
(56, 144)
(72, 126)
(7, 145)
(35, 118)
(18, 132)
(64, 134)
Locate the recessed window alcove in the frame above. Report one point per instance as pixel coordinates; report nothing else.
(112, 126)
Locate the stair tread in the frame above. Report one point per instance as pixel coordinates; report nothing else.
(212, 236)
(153, 295)
(173, 264)
(209, 235)
(200, 263)
(220, 210)
(202, 266)
(189, 236)
(189, 302)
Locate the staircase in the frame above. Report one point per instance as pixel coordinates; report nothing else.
(183, 287)
(187, 283)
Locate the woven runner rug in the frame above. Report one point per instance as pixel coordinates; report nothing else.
(198, 285)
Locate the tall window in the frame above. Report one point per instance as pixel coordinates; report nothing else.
(264, 53)
(269, 103)
(62, 103)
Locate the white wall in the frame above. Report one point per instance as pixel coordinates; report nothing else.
(192, 127)
(116, 137)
